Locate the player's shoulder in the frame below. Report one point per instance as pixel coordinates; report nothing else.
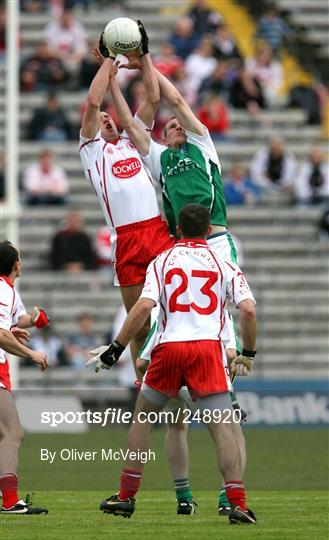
(87, 142)
(156, 147)
(6, 287)
(162, 257)
(202, 138)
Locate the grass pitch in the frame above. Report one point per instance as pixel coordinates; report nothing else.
(74, 516)
(286, 480)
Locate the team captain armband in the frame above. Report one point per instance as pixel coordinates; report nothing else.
(39, 317)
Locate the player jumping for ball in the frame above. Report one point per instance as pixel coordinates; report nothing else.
(123, 186)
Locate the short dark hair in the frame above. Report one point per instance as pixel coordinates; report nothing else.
(8, 256)
(194, 221)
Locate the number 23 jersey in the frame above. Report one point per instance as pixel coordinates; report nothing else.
(191, 284)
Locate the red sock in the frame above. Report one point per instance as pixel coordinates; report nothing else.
(129, 483)
(236, 493)
(8, 486)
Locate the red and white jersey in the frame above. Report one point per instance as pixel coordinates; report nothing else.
(123, 187)
(191, 284)
(11, 308)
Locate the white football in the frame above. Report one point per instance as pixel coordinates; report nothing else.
(122, 35)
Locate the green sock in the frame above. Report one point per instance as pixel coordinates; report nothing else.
(182, 489)
(222, 499)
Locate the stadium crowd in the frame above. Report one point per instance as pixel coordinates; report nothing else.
(202, 58)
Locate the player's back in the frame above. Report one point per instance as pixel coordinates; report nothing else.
(193, 294)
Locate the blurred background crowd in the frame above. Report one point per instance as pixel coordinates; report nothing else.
(265, 110)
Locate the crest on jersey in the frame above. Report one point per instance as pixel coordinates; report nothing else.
(126, 168)
(131, 146)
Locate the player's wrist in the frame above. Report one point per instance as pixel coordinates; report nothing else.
(118, 348)
(250, 354)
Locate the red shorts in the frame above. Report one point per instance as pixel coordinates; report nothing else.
(5, 376)
(137, 245)
(195, 364)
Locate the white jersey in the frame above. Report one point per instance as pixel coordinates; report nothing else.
(191, 284)
(11, 308)
(124, 188)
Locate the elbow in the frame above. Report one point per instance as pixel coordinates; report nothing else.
(145, 307)
(177, 101)
(93, 102)
(247, 309)
(154, 101)
(127, 124)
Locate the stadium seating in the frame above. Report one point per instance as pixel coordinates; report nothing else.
(286, 264)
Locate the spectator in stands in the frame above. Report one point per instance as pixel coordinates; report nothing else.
(103, 248)
(272, 167)
(246, 93)
(67, 39)
(201, 63)
(2, 176)
(167, 62)
(311, 185)
(88, 66)
(219, 82)
(183, 39)
(205, 21)
(45, 182)
(225, 47)
(272, 28)
(323, 227)
(34, 6)
(80, 342)
(187, 90)
(43, 70)
(269, 74)
(46, 340)
(214, 115)
(85, 4)
(238, 188)
(71, 248)
(308, 99)
(50, 123)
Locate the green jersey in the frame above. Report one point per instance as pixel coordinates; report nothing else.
(191, 174)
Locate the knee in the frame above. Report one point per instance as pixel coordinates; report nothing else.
(141, 365)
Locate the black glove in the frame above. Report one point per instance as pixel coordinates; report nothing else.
(107, 53)
(112, 354)
(145, 39)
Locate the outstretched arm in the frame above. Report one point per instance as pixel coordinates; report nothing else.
(148, 108)
(139, 136)
(97, 90)
(183, 112)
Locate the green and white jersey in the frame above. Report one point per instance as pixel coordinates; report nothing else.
(189, 175)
